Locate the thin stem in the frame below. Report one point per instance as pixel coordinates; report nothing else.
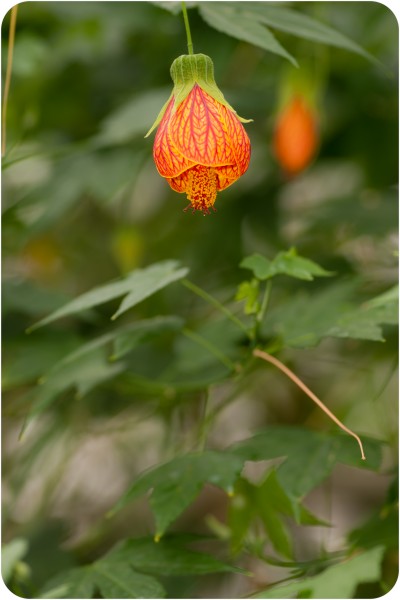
(202, 431)
(197, 290)
(210, 347)
(263, 308)
(187, 27)
(11, 38)
(277, 363)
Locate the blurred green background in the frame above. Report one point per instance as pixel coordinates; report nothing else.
(84, 204)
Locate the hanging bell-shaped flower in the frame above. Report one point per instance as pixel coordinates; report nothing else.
(201, 146)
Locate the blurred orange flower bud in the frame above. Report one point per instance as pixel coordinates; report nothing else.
(296, 135)
(201, 146)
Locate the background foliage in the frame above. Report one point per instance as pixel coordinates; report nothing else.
(132, 377)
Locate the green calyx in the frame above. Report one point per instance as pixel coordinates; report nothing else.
(187, 71)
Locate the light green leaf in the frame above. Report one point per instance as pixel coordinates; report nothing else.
(172, 6)
(388, 299)
(249, 291)
(284, 263)
(236, 24)
(177, 483)
(146, 282)
(338, 581)
(299, 24)
(132, 118)
(11, 554)
(138, 284)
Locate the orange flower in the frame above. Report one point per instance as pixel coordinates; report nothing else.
(296, 136)
(201, 146)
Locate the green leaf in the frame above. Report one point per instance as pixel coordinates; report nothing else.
(114, 580)
(27, 358)
(249, 291)
(388, 299)
(137, 285)
(338, 581)
(268, 502)
(177, 483)
(327, 313)
(236, 24)
(25, 297)
(148, 281)
(77, 583)
(131, 119)
(11, 554)
(169, 556)
(82, 369)
(172, 6)
(301, 25)
(311, 456)
(142, 331)
(272, 492)
(284, 263)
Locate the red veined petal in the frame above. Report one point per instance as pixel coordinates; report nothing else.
(169, 161)
(226, 176)
(239, 139)
(199, 132)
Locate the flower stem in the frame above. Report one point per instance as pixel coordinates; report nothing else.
(187, 27)
(277, 363)
(264, 305)
(11, 38)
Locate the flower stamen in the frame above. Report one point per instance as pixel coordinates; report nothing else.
(201, 188)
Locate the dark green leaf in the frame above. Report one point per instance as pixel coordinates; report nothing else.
(311, 456)
(131, 336)
(112, 579)
(116, 580)
(177, 483)
(77, 583)
(299, 24)
(169, 557)
(328, 313)
(232, 22)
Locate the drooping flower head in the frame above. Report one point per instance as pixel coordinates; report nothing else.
(201, 146)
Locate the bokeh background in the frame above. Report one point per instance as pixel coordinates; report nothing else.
(83, 204)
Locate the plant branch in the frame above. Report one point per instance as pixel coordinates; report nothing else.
(187, 27)
(210, 347)
(11, 39)
(208, 298)
(277, 363)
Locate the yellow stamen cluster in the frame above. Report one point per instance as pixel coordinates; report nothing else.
(201, 188)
